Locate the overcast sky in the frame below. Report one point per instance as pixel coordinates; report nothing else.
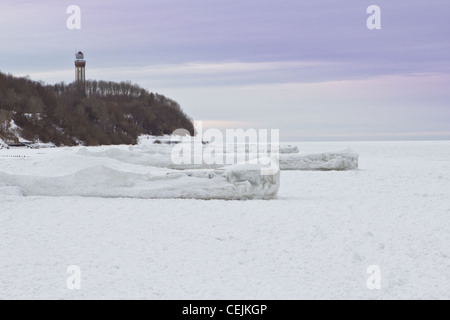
(310, 68)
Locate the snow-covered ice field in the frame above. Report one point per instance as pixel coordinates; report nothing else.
(315, 241)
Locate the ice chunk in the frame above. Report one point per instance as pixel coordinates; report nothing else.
(289, 149)
(11, 191)
(102, 181)
(339, 161)
(160, 156)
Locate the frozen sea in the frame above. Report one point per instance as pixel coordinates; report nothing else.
(315, 241)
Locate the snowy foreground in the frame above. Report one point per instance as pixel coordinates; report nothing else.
(315, 240)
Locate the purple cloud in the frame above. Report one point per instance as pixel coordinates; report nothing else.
(259, 42)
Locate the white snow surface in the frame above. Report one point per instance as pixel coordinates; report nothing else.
(315, 241)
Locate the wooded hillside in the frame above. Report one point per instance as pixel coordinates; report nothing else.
(107, 113)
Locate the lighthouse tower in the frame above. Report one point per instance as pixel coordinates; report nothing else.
(80, 68)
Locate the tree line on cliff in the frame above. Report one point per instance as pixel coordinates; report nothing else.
(99, 113)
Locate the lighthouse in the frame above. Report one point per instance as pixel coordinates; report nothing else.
(80, 68)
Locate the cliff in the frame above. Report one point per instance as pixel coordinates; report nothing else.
(105, 113)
